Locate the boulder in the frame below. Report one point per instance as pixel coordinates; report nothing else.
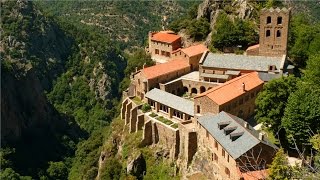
(137, 166)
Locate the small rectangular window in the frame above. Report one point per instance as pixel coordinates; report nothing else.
(279, 20)
(268, 19)
(223, 153)
(198, 109)
(268, 33)
(216, 144)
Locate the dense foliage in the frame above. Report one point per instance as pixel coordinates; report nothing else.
(280, 169)
(231, 34)
(120, 21)
(304, 39)
(136, 61)
(272, 101)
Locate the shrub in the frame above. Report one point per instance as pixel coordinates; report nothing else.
(145, 107)
(153, 115)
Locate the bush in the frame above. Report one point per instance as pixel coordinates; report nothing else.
(145, 107)
(153, 115)
(199, 28)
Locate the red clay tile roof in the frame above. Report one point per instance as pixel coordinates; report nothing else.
(233, 88)
(194, 50)
(175, 51)
(165, 68)
(253, 47)
(254, 175)
(165, 37)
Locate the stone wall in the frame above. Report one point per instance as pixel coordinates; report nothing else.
(142, 84)
(243, 110)
(182, 86)
(163, 135)
(206, 105)
(167, 48)
(273, 36)
(207, 143)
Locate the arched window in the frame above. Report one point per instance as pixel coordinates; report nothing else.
(268, 19)
(268, 33)
(227, 171)
(279, 20)
(198, 109)
(202, 89)
(185, 89)
(194, 91)
(278, 33)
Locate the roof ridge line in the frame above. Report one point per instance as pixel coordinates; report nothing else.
(224, 84)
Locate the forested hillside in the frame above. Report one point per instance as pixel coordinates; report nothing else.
(62, 63)
(121, 21)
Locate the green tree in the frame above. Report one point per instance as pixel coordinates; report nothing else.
(137, 60)
(225, 35)
(279, 168)
(272, 101)
(5, 161)
(304, 39)
(302, 114)
(198, 28)
(312, 72)
(57, 170)
(230, 34)
(112, 169)
(10, 174)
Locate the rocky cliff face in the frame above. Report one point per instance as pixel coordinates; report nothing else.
(210, 9)
(33, 53)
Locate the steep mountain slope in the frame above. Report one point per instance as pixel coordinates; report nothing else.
(35, 51)
(60, 79)
(127, 22)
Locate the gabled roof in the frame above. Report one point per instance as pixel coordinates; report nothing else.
(233, 88)
(242, 62)
(253, 47)
(165, 68)
(165, 37)
(247, 136)
(171, 100)
(253, 175)
(194, 50)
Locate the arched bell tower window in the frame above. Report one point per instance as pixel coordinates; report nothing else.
(267, 33)
(268, 19)
(278, 33)
(279, 20)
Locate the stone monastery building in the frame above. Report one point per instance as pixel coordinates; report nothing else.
(201, 102)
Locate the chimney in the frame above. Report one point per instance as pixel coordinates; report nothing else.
(261, 136)
(136, 69)
(246, 125)
(144, 65)
(243, 87)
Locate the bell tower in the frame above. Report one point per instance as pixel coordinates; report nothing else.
(273, 35)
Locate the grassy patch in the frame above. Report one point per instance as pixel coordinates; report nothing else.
(157, 168)
(175, 125)
(153, 114)
(164, 120)
(131, 143)
(137, 100)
